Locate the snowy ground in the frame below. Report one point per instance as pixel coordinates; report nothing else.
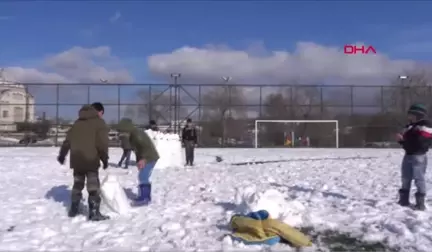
(351, 191)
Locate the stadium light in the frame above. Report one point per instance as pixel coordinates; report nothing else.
(403, 77)
(226, 79)
(175, 76)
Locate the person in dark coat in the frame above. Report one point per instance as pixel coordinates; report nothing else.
(127, 149)
(189, 139)
(87, 141)
(416, 140)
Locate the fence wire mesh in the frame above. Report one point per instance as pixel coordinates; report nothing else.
(41, 113)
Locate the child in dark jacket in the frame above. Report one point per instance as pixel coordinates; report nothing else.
(415, 140)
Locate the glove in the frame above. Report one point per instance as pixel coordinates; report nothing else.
(61, 160)
(105, 164)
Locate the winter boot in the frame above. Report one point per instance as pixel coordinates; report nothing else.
(144, 196)
(74, 209)
(404, 197)
(94, 210)
(420, 202)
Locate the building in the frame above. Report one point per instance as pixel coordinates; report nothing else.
(16, 104)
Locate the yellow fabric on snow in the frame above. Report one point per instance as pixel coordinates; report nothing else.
(249, 229)
(253, 230)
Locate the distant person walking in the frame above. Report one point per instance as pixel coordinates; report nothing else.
(127, 149)
(87, 141)
(152, 125)
(189, 139)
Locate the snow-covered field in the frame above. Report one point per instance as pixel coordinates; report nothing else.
(350, 191)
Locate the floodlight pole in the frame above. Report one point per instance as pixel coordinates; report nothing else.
(225, 80)
(175, 77)
(404, 79)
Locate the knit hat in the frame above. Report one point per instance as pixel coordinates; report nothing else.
(98, 106)
(417, 110)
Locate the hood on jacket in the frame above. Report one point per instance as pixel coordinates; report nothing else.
(125, 125)
(87, 112)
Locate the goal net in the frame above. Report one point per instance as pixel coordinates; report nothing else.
(296, 133)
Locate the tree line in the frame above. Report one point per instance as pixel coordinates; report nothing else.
(225, 117)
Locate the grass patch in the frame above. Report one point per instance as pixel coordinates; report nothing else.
(333, 241)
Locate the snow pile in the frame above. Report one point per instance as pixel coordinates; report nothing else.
(169, 148)
(274, 202)
(114, 198)
(6, 140)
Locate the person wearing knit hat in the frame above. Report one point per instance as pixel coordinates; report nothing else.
(418, 111)
(416, 140)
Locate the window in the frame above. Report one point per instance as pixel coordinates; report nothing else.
(18, 114)
(5, 114)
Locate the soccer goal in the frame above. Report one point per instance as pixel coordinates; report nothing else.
(296, 133)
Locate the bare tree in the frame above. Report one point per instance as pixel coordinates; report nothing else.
(295, 103)
(219, 114)
(156, 106)
(412, 88)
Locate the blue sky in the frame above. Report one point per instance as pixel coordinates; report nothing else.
(41, 27)
(135, 30)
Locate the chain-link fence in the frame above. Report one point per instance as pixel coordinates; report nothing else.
(41, 114)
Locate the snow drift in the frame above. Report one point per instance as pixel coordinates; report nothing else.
(169, 148)
(274, 202)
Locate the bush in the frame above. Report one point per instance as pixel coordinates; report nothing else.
(39, 128)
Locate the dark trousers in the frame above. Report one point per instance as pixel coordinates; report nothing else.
(93, 185)
(126, 155)
(189, 152)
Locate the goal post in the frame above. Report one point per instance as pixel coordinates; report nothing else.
(292, 134)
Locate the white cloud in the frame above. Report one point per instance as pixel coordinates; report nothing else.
(73, 66)
(114, 18)
(308, 63)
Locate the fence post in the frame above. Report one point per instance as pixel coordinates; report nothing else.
(150, 103)
(260, 101)
(88, 94)
(292, 101)
(321, 101)
(199, 112)
(118, 102)
(351, 100)
(57, 112)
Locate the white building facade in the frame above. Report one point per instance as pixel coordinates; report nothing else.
(16, 105)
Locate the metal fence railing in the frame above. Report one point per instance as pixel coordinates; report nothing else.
(224, 113)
